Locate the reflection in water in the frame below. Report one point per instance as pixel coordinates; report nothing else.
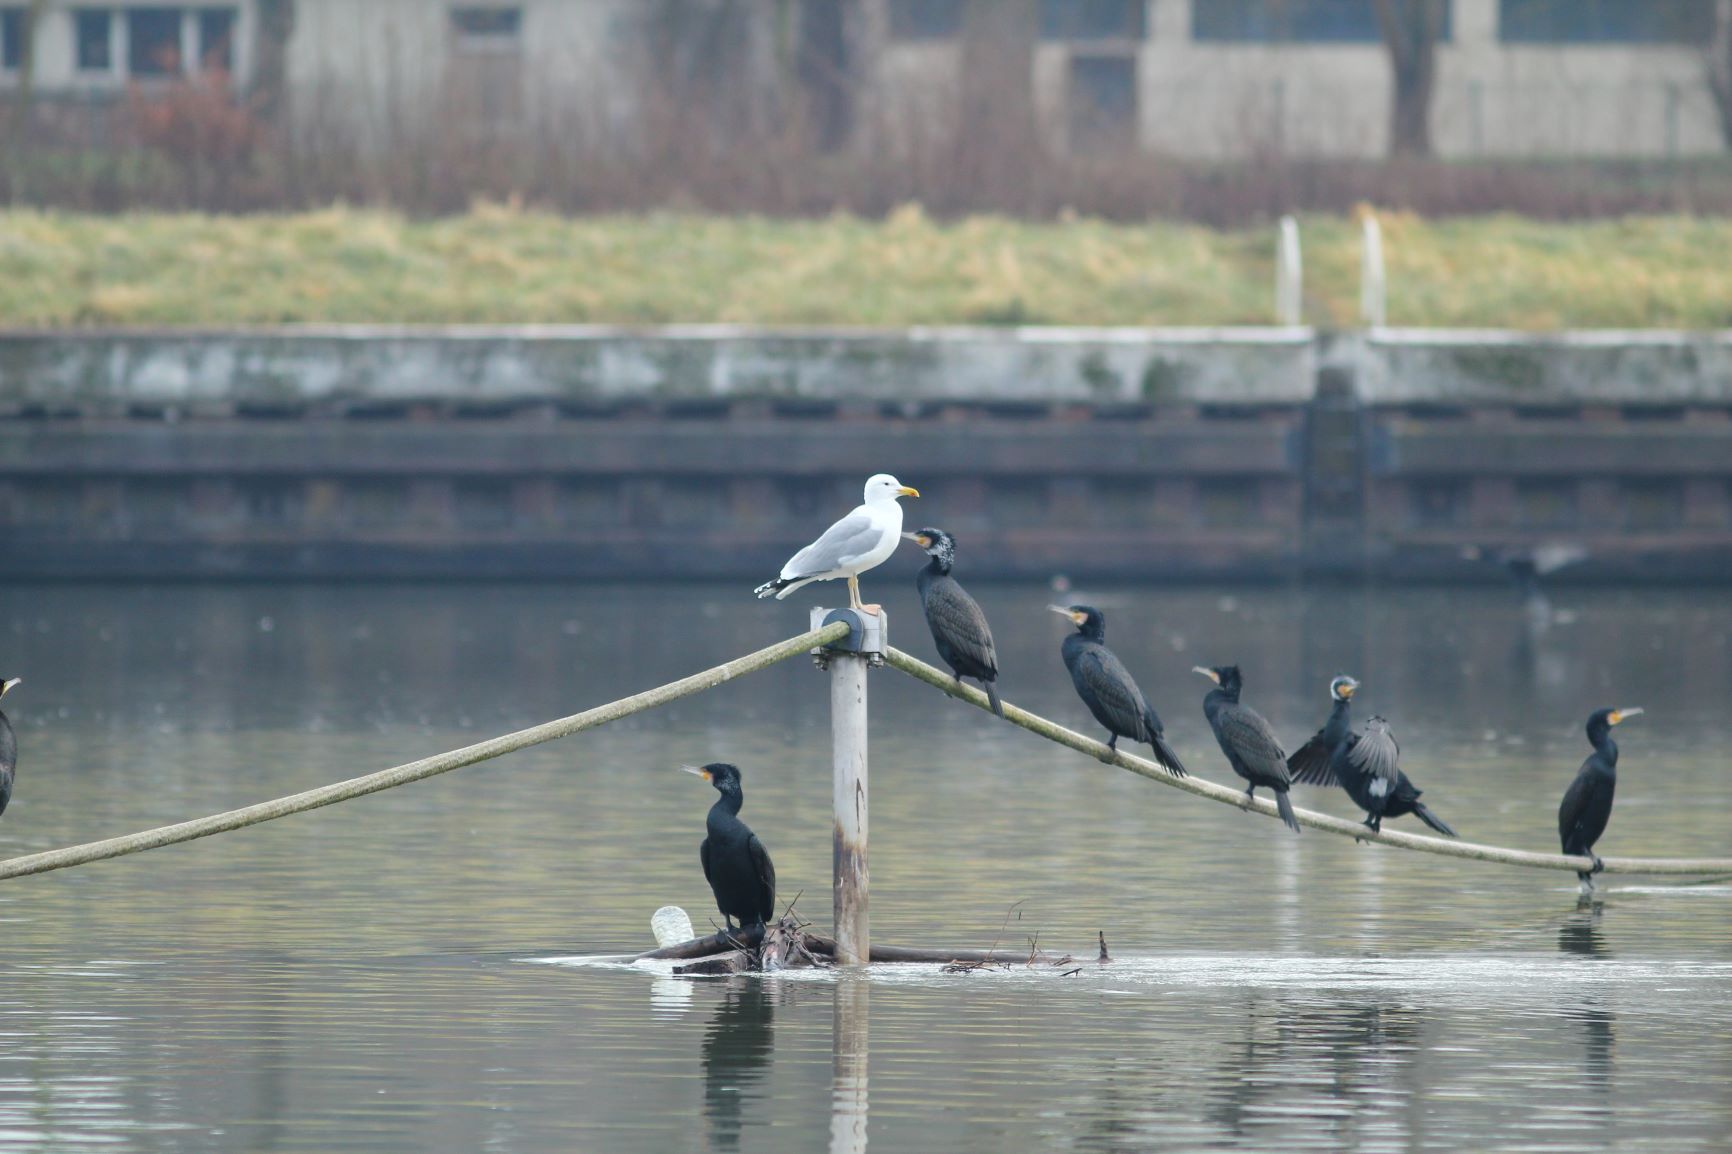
(848, 1052)
(737, 1048)
(1302, 1072)
(1580, 935)
(670, 997)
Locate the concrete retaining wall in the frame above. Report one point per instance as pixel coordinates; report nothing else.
(107, 370)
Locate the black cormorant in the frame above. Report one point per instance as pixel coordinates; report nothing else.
(1247, 740)
(1106, 687)
(959, 628)
(1366, 765)
(736, 864)
(8, 748)
(1587, 804)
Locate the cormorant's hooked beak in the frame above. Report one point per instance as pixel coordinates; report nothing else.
(9, 684)
(1348, 688)
(699, 770)
(919, 539)
(1619, 716)
(1065, 611)
(1207, 672)
(908, 491)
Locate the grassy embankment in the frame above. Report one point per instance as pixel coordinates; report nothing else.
(504, 265)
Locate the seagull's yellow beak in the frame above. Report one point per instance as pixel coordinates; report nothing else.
(699, 770)
(908, 491)
(1206, 672)
(1619, 716)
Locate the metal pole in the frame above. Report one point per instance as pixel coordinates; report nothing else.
(847, 662)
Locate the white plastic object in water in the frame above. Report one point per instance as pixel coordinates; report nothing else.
(671, 926)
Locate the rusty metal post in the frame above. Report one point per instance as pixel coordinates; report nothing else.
(847, 661)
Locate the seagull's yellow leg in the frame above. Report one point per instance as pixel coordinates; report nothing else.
(854, 592)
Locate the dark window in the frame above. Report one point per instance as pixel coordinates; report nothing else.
(1602, 21)
(1103, 102)
(153, 41)
(1093, 19)
(487, 29)
(12, 39)
(1321, 21)
(216, 39)
(925, 19)
(92, 27)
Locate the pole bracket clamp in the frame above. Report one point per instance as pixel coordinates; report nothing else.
(866, 635)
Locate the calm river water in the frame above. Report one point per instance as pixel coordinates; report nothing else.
(396, 974)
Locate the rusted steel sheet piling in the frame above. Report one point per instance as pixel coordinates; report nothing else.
(847, 662)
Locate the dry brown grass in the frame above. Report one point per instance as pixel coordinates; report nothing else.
(503, 264)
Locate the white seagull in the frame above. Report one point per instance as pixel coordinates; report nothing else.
(858, 542)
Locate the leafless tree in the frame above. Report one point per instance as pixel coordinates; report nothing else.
(1411, 31)
(1718, 64)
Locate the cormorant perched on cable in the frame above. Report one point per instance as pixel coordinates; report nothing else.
(736, 864)
(959, 628)
(1246, 739)
(8, 748)
(1106, 687)
(1366, 765)
(1587, 804)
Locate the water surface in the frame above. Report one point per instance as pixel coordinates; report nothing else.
(379, 975)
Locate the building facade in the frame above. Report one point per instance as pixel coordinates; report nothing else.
(1203, 79)
(96, 50)
(1223, 79)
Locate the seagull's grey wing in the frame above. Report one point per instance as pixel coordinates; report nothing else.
(1376, 754)
(847, 539)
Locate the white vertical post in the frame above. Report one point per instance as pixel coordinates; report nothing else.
(847, 662)
(1373, 292)
(1289, 274)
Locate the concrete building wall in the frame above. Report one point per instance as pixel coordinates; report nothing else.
(1225, 100)
(382, 68)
